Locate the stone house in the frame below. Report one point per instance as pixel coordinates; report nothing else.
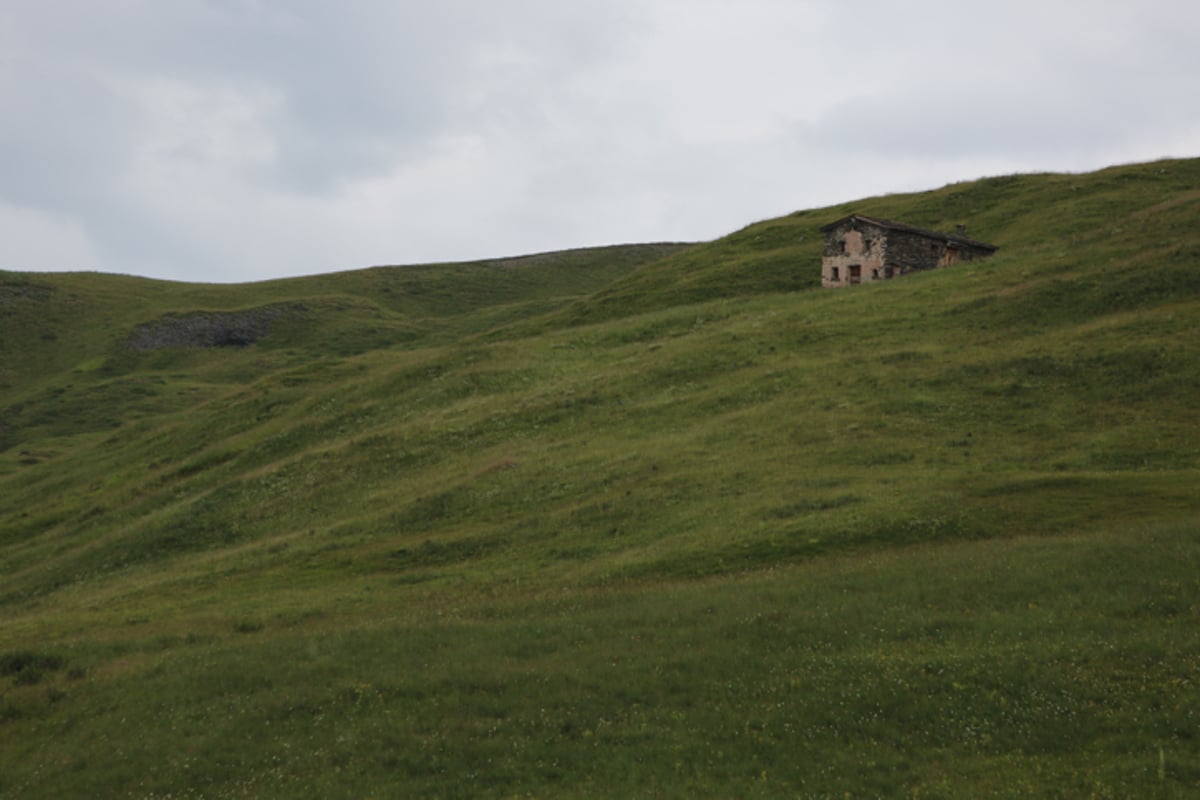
(861, 249)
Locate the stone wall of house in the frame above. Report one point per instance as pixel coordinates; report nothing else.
(862, 246)
(860, 252)
(911, 251)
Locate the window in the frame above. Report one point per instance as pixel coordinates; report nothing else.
(834, 274)
(874, 274)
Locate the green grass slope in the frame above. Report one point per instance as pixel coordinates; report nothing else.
(682, 528)
(1046, 219)
(66, 361)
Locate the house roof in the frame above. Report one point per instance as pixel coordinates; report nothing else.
(900, 226)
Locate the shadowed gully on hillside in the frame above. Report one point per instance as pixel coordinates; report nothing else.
(655, 520)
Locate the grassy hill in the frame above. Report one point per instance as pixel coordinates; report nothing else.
(661, 521)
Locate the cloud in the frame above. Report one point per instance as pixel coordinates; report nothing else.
(238, 139)
(43, 241)
(1034, 82)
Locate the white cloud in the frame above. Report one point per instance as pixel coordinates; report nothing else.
(188, 135)
(33, 239)
(231, 139)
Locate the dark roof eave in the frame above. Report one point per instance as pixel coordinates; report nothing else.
(991, 248)
(900, 226)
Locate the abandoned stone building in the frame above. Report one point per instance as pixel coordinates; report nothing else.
(861, 249)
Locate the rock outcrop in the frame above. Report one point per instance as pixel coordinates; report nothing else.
(202, 329)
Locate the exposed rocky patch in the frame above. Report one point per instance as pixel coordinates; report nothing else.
(204, 329)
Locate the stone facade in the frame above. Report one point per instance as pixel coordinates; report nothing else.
(860, 249)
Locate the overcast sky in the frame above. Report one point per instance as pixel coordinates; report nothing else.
(235, 140)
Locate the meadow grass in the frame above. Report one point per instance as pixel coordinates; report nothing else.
(1000, 668)
(645, 521)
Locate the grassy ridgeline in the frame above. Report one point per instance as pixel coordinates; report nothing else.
(627, 521)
